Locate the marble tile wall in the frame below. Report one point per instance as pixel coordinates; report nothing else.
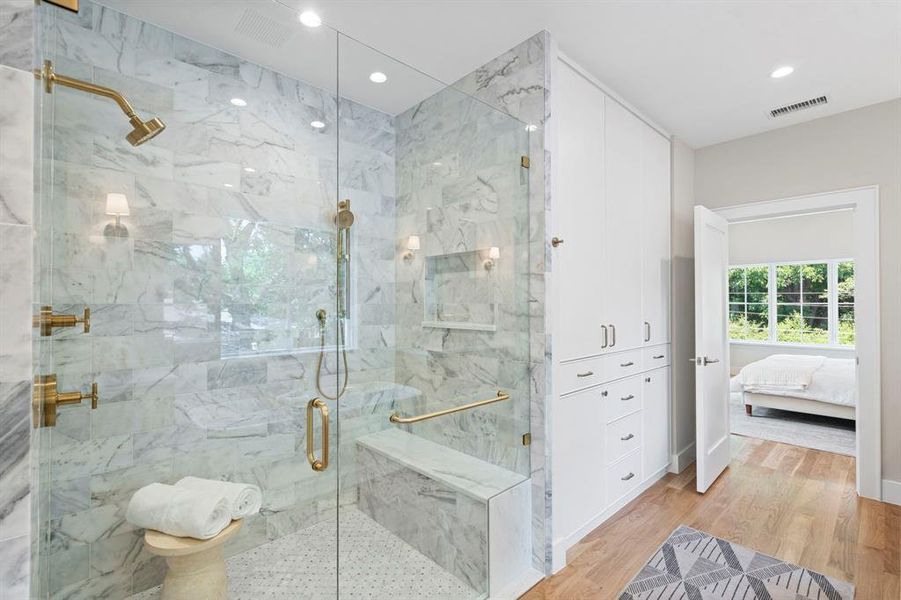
(462, 190)
(204, 339)
(16, 234)
(472, 150)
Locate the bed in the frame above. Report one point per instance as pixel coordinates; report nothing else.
(801, 383)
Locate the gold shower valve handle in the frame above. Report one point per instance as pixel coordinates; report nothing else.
(46, 398)
(47, 320)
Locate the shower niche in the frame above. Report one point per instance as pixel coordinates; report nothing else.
(461, 290)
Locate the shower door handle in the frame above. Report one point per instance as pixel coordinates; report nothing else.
(320, 464)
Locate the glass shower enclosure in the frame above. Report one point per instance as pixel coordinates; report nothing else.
(300, 277)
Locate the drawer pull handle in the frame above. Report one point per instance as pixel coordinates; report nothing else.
(628, 364)
(660, 356)
(647, 380)
(628, 477)
(627, 437)
(627, 398)
(585, 374)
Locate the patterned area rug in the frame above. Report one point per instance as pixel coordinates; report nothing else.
(694, 565)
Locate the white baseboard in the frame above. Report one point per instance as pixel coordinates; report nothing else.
(891, 491)
(564, 544)
(680, 460)
(519, 587)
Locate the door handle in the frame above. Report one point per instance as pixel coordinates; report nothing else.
(555, 241)
(320, 464)
(647, 331)
(613, 335)
(703, 361)
(604, 327)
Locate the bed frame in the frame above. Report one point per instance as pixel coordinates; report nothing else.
(801, 405)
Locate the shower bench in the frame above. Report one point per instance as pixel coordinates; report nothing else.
(462, 512)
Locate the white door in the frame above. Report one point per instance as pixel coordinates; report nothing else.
(579, 213)
(623, 239)
(711, 346)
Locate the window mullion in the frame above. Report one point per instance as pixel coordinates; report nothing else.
(833, 302)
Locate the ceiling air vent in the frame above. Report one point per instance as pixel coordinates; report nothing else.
(261, 28)
(791, 108)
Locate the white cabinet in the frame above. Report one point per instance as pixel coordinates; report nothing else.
(579, 216)
(623, 229)
(610, 296)
(578, 459)
(655, 242)
(655, 420)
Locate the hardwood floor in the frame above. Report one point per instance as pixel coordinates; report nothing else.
(794, 503)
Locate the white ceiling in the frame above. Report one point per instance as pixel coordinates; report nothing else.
(698, 68)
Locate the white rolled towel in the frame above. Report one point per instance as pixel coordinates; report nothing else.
(244, 499)
(179, 511)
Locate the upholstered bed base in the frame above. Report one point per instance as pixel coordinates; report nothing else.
(801, 405)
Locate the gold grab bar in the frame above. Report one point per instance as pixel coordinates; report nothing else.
(322, 463)
(501, 396)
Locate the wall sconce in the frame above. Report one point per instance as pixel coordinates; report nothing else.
(494, 253)
(117, 206)
(412, 246)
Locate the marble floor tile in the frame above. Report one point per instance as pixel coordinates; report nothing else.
(374, 565)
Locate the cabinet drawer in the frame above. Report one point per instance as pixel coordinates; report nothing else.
(581, 374)
(656, 356)
(621, 398)
(623, 476)
(623, 436)
(622, 364)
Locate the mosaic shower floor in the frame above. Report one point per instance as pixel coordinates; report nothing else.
(375, 565)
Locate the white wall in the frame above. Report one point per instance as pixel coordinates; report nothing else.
(803, 237)
(852, 149)
(683, 434)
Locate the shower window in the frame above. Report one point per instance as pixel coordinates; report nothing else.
(274, 279)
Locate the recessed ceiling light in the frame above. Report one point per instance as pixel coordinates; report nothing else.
(317, 124)
(310, 19)
(531, 127)
(239, 101)
(378, 77)
(249, 170)
(228, 185)
(437, 163)
(782, 72)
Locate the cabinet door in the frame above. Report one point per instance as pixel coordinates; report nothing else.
(578, 460)
(578, 215)
(623, 228)
(655, 420)
(655, 178)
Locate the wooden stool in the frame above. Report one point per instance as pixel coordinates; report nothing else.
(196, 567)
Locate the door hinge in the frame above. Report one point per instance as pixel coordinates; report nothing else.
(527, 439)
(524, 162)
(71, 5)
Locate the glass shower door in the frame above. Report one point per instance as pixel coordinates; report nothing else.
(433, 428)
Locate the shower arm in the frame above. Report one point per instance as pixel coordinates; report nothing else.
(51, 78)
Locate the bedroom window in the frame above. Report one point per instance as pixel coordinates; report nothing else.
(813, 303)
(749, 303)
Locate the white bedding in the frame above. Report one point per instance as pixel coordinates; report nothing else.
(833, 382)
(782, 371)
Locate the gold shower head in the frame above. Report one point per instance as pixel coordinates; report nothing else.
(142, 131)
